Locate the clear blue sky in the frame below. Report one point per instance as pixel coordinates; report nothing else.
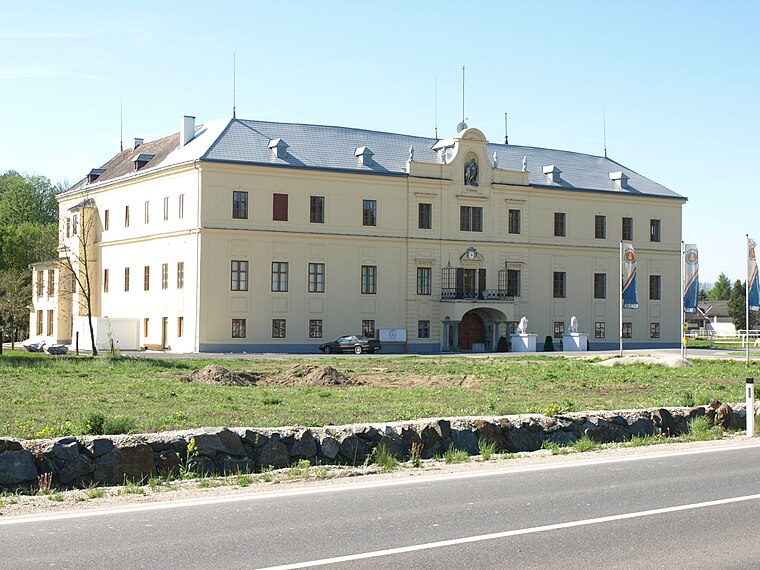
(679, 82)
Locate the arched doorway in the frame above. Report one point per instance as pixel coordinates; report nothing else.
(471, 329)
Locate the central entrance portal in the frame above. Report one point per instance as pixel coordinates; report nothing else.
(471, 330)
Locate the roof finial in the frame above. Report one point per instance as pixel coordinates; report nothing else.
(604, 127)
(121, 125)
(506, 131)
(234, 81)
(436, 107)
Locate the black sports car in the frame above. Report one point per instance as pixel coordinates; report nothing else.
(351, 343)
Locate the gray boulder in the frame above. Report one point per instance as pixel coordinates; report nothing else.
(129, 462)
(17, 467)
(328, 447)
(466, 440)
(273, 453)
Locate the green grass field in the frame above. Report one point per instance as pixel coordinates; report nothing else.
(43, 396)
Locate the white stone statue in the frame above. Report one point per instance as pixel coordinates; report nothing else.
(495, 160)
(525, 164)
(411, 153)
(522, 328)
(573, 328)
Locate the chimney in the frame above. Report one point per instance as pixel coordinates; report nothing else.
(187, 131)
(138, 142)
(552, 174)
(620, 180)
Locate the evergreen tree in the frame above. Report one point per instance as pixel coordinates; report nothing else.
(721, 290)
(737, 308)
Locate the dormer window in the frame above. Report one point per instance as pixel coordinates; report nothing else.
(279, 148)
(364, 155)
(141, 160)
(620, 180)
(94, 174)
(552, 174)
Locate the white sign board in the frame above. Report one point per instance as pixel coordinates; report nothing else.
(392, 335)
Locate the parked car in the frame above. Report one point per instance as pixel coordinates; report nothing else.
(57, 349)
(351, 343)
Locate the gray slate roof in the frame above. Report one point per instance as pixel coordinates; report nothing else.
(329, 147)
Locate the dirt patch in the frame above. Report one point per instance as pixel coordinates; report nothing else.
(668, 360)
(220, 376)
(312, 375)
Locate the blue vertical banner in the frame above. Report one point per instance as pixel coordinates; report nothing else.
(630, 298)
(690, 278)
(753, 294)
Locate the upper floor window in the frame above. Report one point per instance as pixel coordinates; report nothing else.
(75, 224)
(280, 207)
(559, 224)
(514, 221)
(317, 209)
(166, 208)
(106, 220)
(68, 227)
(424, 280)
(147, 211)
(654, 230)
(238, 275)
(600, 285)
(655, 287)
(600, 227)
(424, 216)
(181, 207)
(126, 216)
(316, 278)
(40, 283)
(471, 218)
(146, 278)
(369, 279)
(126, 279)
(164, 276)
(180, 275)
(51, 282)
(560, 285)
(105, 281)
(513, 282)
(279, 276)
(627, 229)
(239, 205)
(369, 213)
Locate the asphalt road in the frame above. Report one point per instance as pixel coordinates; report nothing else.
(692, 509)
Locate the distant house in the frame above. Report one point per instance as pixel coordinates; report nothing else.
(712, 316)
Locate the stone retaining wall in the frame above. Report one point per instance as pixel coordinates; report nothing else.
(114, 460)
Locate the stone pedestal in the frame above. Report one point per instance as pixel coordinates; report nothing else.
(574, 342)
(478, 347)
(523, 342)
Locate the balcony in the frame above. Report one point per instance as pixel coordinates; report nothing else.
(466, 284)
(491, 295)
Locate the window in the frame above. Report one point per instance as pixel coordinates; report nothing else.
(423, 280)
(316, 278)
(600, 227)
(424, 216)
(147, 211)
(50, 317)
(39, 322)
(654, 330)
(239, 205)
(317, 210)
(146, 323)
(164, 276)
(600, 285)
(599, 329)
(627, 330)
(238, 328)
(655, 288)
(181, 208)
(654, 230)
(126, 216)
(278, 328)
(369, 279)
(514, 221)
(180, 275)
(105, 281)
(68, 227)
(559, 224)
(627, 229)
(471, 218)
(423, 329)
(513, 282)
(40, 282)
(126, 279)
(315, 328)
(369, 213)
(280, 207)
(146, 278)
(75, 224)
(51, 282)
(106, 220)
(238, 275)
(166, 208)
(279, 276)
(368, 328)
(560, 285)
(180, 326)
(559, 329)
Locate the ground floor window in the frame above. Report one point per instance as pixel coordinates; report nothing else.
(180, 326)
(278, 328)
(50, 318)
(423, 329)
(315, 328)
(559, 329)
(238, 328)
(654, 330)
(599, 329)
(627, 330)
(368, 328)
(146, 322)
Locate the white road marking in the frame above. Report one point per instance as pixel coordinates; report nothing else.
(341, 488)
(507, 534)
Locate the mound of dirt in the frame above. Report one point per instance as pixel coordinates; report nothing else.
(312, 375)
(669, 361)
(220, 376)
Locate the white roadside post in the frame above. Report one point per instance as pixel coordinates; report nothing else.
(750, 410)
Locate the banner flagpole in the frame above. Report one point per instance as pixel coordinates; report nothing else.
(746, 303)
(683, 315)
(621, 298)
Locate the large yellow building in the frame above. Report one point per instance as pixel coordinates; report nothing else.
(251, 236)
